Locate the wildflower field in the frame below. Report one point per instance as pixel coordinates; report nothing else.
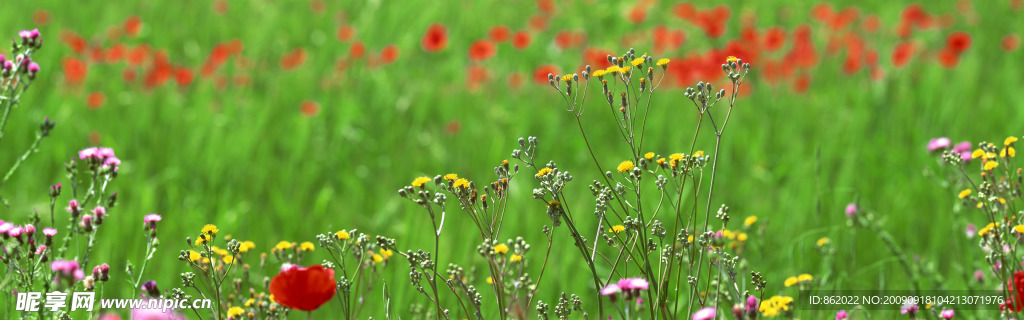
(525, 159)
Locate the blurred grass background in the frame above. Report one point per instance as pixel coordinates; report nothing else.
(244, 158)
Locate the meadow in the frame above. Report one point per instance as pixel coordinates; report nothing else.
(266, 119)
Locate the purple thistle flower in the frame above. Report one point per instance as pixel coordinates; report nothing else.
(938, 144)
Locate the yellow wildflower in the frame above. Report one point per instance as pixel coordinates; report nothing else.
(987, 229)
(741, 237)
(599, 73)
(210, 229)
(283, 245)
(229, 259)
(663, 62)
(978, 153)
(194, 255)
(775, 305)
(617, 228)
(625, 166)
(989, 165)
(729, 234)
(386, 253)
(501, 248)
(699, 153)
(612, 69)
(675, 158)
(543, 171)
(461, 183)
(342, 235)
(554, 203)
(732, 59)
(516, 258)
(490, 281)
(964, 194)
(637, 61)
(567, 78)
(649, 155)
(689, 238)
(624, 70)
(823, 241)
(234, 312)
(248, 303)
(451, 177)
(1019, 228)
(791, 281)
(749, 220)
(219, 251)
(1010, 140)
(202, 239)
(661, 161)
(245, 246)
(1008, 151)
(420, 181)
(307, 246)
(805, 277)
(377, 258)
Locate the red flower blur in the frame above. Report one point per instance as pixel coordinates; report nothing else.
(346, 33)
(309, 109)
(1010, 42)
(521, 40)
(436, 38)
(540, 75)
(357, 50)
(499, 33)
(293, 59)
(902, 53)
(1016, 292)
(303, 288)
(132, 26)
(958, 41)
(95, 100)
(389, 54)
(75, 70)
(482, 50)
(948, 58)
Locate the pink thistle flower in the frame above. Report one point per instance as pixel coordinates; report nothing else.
(909, 309)
(705, 314)
(49, 232)
(105, 153)
(751, 304)
(25, 34)
(610, 289)
(33, 67)
(633, 284)
(73, 206)
(34, 34)
(851, 209)
(30, 230)
(6, 227)
(40, 250)
(947, 314)
(151, 220)
(962, 147)
(841, 315)
(938, 144)
(112, 161)
(16, 232)
(8, 65)
(87, 153)
(971, 230)
(979, 275)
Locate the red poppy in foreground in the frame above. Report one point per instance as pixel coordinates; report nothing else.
(1016, 293)
(303, 288)
(436, 38)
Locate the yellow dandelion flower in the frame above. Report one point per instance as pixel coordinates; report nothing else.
(1010, 140)
(283, 245)
(490, 280)
(342, 235)
(229, 259)
(791, 281)
(741, 237)
(1019, 228)
(732, 59)
(386, 253)
(729, 234)
(501, 248)
(554, 203)
(1008, 151)
(194, 255)
(663, 62)
(245, 246)
(516, 258)
(979, 205)
(749, 220)
(612, 69)
(543, 171)
(624, 70)
(964, 194)
(567, 78)
(206, 261)
(307, 246)
(637, 61)
(649, 155)
(418, 182)
(823, 241)
(978, 153)
(1002, 200)
(689, 238)
(805, 277)
(600, 73)
(989, 165)
(202, 239)
(676, 157)
(219, 251)
(617, 228)
(250, 302)
(625, 166)
(377, 258)
(234, 312)
(661, 161)
(210, 229)
(451, 177)
(461, 183)
(987, 229)
(699, 153)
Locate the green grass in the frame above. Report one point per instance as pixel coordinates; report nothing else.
(246, 160)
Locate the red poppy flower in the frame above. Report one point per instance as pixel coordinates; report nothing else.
(95, 100)
(1010, 42)
(545, 5)
(948, 58)
(482, 50)
(852, 63)
(958, 41)
(499, 33)
(129, 74)
(136, 56)
(317, 6)
(74, 41)
(346, 33)
(802, 83)
(521, 40)
(41, 17)
(685, 10)
(638, 14)
(303, 288)
(132, 26)
(902, 53)
(309, 109)
(540, 75)
(357, 50)
(538, 23)
(75, 70)
(183, 76)
(822, 12)
(220, 7)
(389, 54)
(436, 38)
(563, 39)
(293, 59)
(1016, 292)
(774, 38)
(871, 23)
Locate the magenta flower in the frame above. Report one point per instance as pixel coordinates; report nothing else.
(851, 209)
(971, 230)
(610, 289)
(751, 304)
(66, 269)
(30, 230)
(938, 144)
(40, 250)
(946, 314)
(87, 153)
(16, 232)
(704, 314)
(6, 227)
(73, 206)
(150, 288)
(8, 65)
(979, 275)
(151, 219)
(633, 284)
(841, 315)
(962, 147)
(33, 67)
(909, 309)
(49, 232)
